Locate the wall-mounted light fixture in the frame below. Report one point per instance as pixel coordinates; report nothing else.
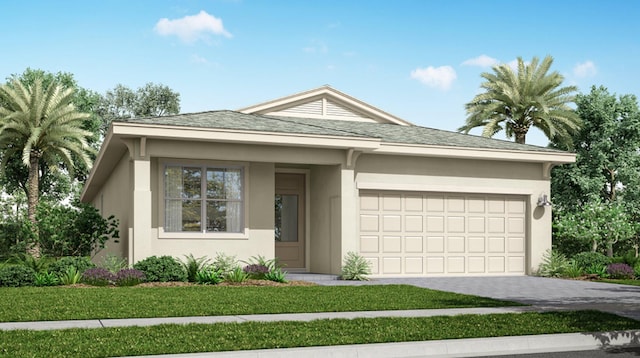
(543, 201)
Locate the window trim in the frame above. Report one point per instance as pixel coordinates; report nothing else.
(243, 166)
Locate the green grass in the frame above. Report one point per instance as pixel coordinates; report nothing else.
(621, 282)
(167, 339)
(60, 303)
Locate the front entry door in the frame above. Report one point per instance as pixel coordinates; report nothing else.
(290, 219)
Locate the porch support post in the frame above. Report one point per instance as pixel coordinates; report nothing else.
(141, 208)
(348, 207)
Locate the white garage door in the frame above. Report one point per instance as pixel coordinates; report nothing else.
(436, 234)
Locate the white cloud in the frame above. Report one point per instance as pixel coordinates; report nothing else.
(439, 77)
(192, 28)
(481, 61)
(585, 69)
(198, 59)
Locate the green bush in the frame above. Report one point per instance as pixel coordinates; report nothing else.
(208, 276)
(77, 230)
(80, 263)
(161, 269)
(629, 258)
(46, 279)
(224, 263)
(16, 276)
(237, 275)
(554, 264)
(355, 267)
(276, 275)
(113, 263)
(192, 266)
(585, 260)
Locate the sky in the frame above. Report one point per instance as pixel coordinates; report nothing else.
(419, 60)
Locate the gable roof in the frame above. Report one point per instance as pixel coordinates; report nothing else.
(383, 132)
(324, 103)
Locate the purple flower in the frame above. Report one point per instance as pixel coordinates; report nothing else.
(620, 271)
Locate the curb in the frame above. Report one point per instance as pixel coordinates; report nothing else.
(471, 347)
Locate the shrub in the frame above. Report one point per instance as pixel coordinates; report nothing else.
(554, 264)
(192, 266)
(16, 276)
(587, 259)
(636, 271)
(224, 263)
(98, 276)
(597, 269)
(113, 263)
(256, 271)
(46, 279)
(80, 263)
(129, 277)
(276, 275)
(38, 264)
(355, 267)
(629, 258)
(573, 270)
(71, 276)
(78, 230)
(236, 275)
(161, 269)
(209, 276)
(620, 271)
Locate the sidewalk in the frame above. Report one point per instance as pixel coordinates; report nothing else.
(442, 348)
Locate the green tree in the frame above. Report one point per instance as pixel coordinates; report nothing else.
(607, 160)
(516, 101)
(598, 225)
(605, 173)
(152, 100)
(55, 182)
(42, 125)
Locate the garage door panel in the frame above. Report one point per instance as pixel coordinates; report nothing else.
(435, 244)
(455, 224)
(476, 264)
(496, 244)
(391, 244)
(391, 223)
(516, 264)
(414, 265)
(413, 223)
(515, 226)
(391, 265)
(476, 244)
(496, 264)
(496, 225)
(516, 245)
(476, 224)
(455, 264)
(435, 265)
(413, 244)
(369, 223)
(414, 203)
(439, 234)
(369, 244)
(455, 244)
(435, 224)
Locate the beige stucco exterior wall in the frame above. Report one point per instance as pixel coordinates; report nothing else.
(115, 199)
(385, 172)
(325, 240)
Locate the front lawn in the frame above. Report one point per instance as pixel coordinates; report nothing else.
(165, 339)
(621, 282)
(65, 303)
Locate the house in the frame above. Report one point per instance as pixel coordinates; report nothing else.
(312, 176)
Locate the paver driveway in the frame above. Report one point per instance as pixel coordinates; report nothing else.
(543, 292)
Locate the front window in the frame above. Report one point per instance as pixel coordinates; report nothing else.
(203, 199)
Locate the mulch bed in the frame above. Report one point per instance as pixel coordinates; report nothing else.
(247, 283)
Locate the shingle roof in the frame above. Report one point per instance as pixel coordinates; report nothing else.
(388, 133)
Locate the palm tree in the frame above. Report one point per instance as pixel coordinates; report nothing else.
(517, 101)
(42, 125)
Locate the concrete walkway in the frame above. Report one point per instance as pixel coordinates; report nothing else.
(542, 293)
